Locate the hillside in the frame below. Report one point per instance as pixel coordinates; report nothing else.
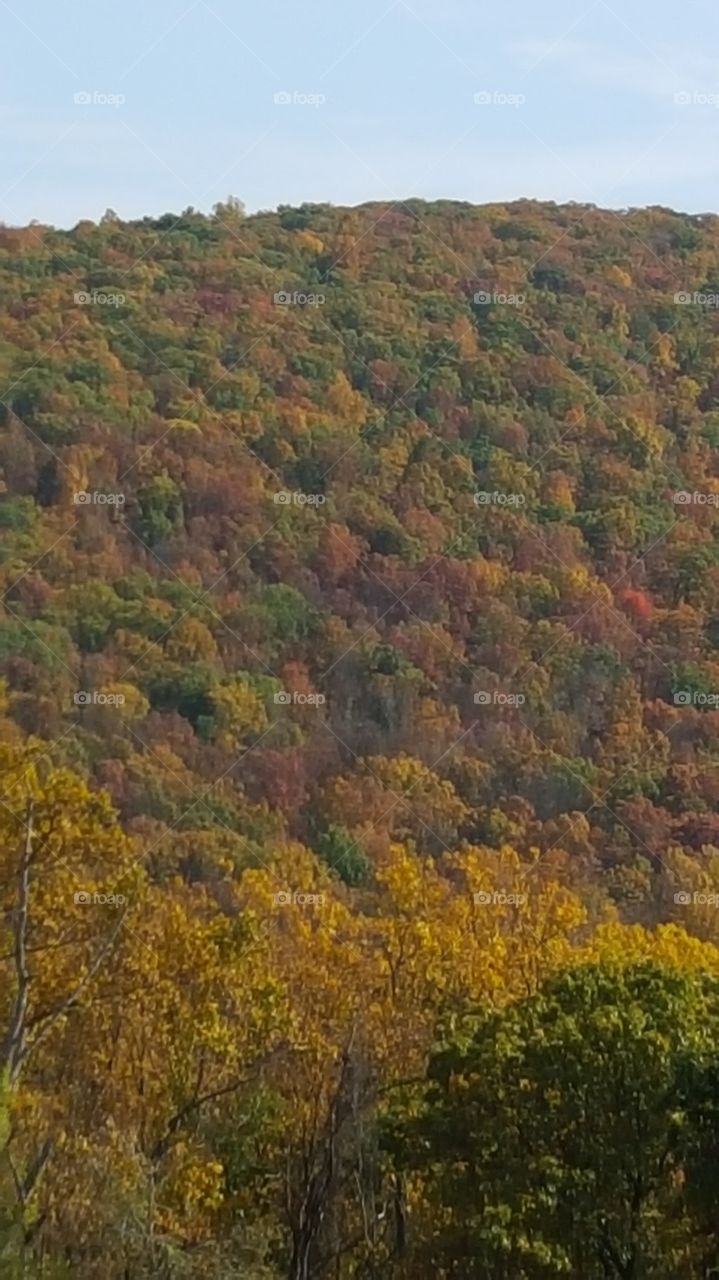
(359, 649)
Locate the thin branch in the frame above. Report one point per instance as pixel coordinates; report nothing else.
(53, 1018)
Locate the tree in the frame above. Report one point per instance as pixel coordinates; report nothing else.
(67, 880)
(553, 1135)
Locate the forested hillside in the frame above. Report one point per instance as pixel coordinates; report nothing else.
(359, 735)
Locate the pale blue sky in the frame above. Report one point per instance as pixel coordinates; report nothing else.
(598, 121)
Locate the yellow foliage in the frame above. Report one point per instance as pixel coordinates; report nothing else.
(239, 713)
(346, 403)
(620, 277)
(308, 240)
(191, 641)
(133, 705)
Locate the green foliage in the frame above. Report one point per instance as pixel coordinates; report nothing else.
(160, 507)
(342, 854)
(17, 514)
(552, 1139)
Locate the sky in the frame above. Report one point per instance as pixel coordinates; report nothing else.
(151, 106)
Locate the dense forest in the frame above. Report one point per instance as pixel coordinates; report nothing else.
(359, 745)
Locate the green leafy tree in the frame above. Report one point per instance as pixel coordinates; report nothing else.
(553, 1138)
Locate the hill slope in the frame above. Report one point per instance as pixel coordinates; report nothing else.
(359, 647)
(297, 503)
